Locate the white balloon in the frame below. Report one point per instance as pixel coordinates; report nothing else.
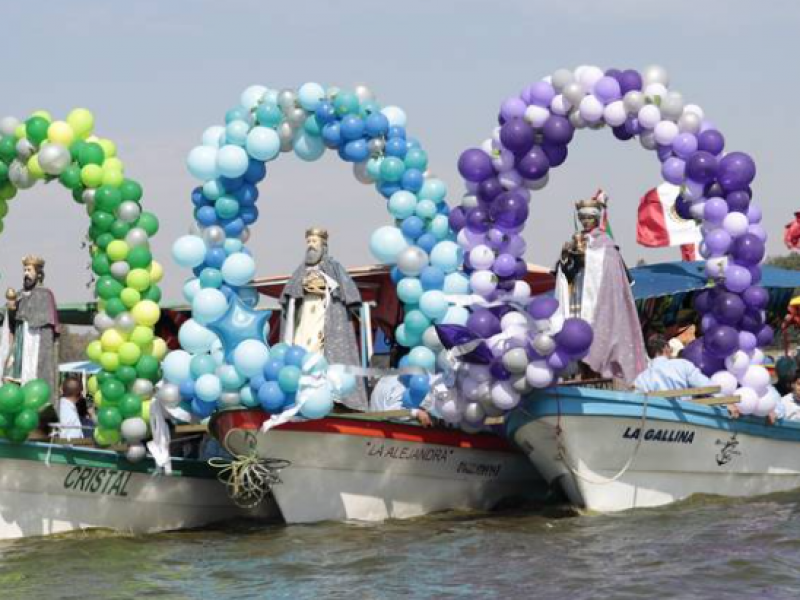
(665, 132)
(591, 109)
(737, 363)
(655, 90)
(767, 402)
(695, 110)
(559, 105)
(504, 396)
(589, 76)
(539, 374)
(481, 257)
(614, 113)
(726, 381)
(513, 319)
(397, 117)
(748, 400)
(649, 116)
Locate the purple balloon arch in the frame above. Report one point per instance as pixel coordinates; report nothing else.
(535, 129)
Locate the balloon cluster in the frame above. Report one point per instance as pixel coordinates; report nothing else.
(19, 408)
(534, 131)
(225, 360)
(43, 149)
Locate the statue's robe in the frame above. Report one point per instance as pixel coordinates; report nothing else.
(36, 329)
(596, 287)
(323, 322)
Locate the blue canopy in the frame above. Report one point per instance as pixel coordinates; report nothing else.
(666, 279)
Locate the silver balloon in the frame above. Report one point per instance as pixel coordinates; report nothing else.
(54, 158)
(544, 344)
(515, 361)
(229, 399)
(597, 125)
(142, 388)
(8, 125)
(19, 175)
(633, 102)
(88, 197)
(488, 406)
(672, 106)
(363, 93)
(25, 150)
(689, 123)
(537, 184)
(376, 146)
(648, 140)
(134, 429)
(136, 453)
(576, 120)
(469, 201)
(561, 78)
(136, 237)
(360, 172)
(474, 413)
(573, 92)
(245, 235)
(431, 339)
(655, 74)
(128, 212)
(214, 236)
(286, 136)
(195, 229)
(102, 322)
(296, 117)
(412, 261)
(169, 394)
(521, 385)
(125, 321)
(332, 92)
(287, 100)
(120, 269)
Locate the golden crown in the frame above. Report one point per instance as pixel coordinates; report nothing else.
(598, 201)
(37, 262)
(318, 231)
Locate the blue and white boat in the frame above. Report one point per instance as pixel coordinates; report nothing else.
(611, 451)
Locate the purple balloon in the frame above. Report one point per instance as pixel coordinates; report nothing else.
(542, 307)
(483, 323)
(711, 141)
(457, 218)
(498, 371)
(495, 238)
(714, 210)
(736, 171)
(475, 165)
(541, 93)
(747, 341)
(673, 170)
(752, 321)
(630, 80)
(512, 108)
(701, 167)
(505, 265)
(684, 145)
(754, 214)
(747, 249)
(758, 231)
(607, 89)
(621, 133)
(514, 245)
(708, 322)
(517, 135)
(534, 165)
(575, 336)
(765, 336)
(738, 201)
(755, 274)
(510, 209)
(663, 152)
(558, 360)
(737, 278)
(478, 220)
(556, 154)
(632, 126)
(728, 308)
(558, 130)
(721, 341)
(756, 297)
(703, 302)
(718, 241)
(682, 206)
(489, 189)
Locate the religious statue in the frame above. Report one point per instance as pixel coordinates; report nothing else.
(316, 302)
(30, 330)
(592, 283)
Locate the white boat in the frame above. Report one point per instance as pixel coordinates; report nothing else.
(340, 468)
(51, 488)
(612, 451)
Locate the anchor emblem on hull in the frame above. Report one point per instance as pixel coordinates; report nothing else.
(728, 451)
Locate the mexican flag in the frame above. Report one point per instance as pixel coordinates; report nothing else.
(659, 224)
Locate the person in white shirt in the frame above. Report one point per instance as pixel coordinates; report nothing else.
(68, 416)
(388, 395)
(788, 408)
(667, 373)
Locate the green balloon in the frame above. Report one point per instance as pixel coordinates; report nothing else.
(149, 222)
(139, 257)
(8, 149)
(5, 422)
(75, 149)
(152, 293)
(107, 198)
(126, 374)
(130, 406)
(91, 154)
(103, 240)
(109, 417)
(106, 437)
(36, 393)
(3, 172)
(36, 129)
(148, 368)
(115, 307)
(131, 191)
(100, 264)
(112, 389)
(11, 398)
(107, 287)
(27, 420)
(102, 220)
(17, 435)
(119, 229)
(3, 208)
(7, 191)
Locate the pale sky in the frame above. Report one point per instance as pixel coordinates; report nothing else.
(157, 73)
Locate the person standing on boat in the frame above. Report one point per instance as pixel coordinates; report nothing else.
(592, 283)
(33, 328)
(667, 373)
(68, 416)
(316, 305)
(788, 409)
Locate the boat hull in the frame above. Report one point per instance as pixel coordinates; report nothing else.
(341, 469)
(46, 491)
(597, 447)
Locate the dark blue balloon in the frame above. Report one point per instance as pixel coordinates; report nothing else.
(413, 227)
(247, 194)
(256, 171)
(271, 397)
(396, 147)
(332, 134)
(206, 216)
(249, 214)
(199, 269)
(431, 278)
(412, 180)
(256, 382)
(272, 368)
(396, 132)
(395, 275)
(556, 153)
(356, 151)
(198, 198)
(187, 389)
(418, 387)
(409, 401)
(231, 184)
(351, 127)
(215, 257)
(325, 113)
(376, 125)
(234, 228)
(387, 188)
(427, 241)
(203, 409)
(294, 356)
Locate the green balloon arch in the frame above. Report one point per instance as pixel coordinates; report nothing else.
(43, 149)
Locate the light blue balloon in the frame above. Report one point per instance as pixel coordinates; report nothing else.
(307, 147)
(195, 338)
(250, 356)
(176, 366)
(208, 388)
(202, 162)
(232, 245)
(422, 357)
(249, 296)
(218, 352)
(240, 323)
(202, 364)
(236, 132)
(342, 383)
(310, 95)
(315, 403)
(230, 378)
(455, 315)
(248, 398)
(402, 204)
(214, 136)
(252, 95)
(440, 227)
(210, 278)
(426, 209)
(238, 269)
(374, 168)
(433, 189)
(213, 189)
(209, 304)
(405, 337)
(189, 251)
(447, 255)
(263, 143)
(409, 290)
(232, 161)
(433, 304)
(289, 379)
(456, 284)
(190, 289)
(386, 243)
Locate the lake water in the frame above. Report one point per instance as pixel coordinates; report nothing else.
(703, 548)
